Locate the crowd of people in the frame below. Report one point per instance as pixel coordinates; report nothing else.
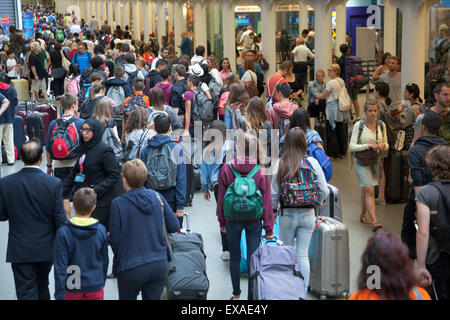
(130, 109)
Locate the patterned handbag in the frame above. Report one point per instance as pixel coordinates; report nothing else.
(303, 189)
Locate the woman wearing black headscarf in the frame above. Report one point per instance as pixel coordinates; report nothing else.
(96, 168)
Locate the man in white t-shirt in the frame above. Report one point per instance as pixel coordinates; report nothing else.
(247, 39)
(199, 53)
(301, 52)
(162, 56)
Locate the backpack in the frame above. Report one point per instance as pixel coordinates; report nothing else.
(83, 90)
(358, 82)
(64, 140)
(176, 99)
(325, 163)
(162, 170)
(87, 108)
(222, 102)
(147, 85)
(214, 89)
(353, 68)
(136, 101)
(283, 126)
(110, 139)
(243, 200)
(59, 36)
(440, 222)
(132, 149)
(202, 108)
(117, 94)
(152, 114)
(345, 103)
(303, 189)
(131, 76)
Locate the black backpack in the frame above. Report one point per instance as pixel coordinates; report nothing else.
(87, 108)
(176, 99)
(131, 77)
(440, 222)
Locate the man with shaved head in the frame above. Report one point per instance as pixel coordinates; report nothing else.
(32, 202)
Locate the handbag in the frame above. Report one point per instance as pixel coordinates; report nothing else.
(65, 62)
(367, 157)
(59, 73)
(252, 89)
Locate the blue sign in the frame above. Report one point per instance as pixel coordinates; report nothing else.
(28, 27)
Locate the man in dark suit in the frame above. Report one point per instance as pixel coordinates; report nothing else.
(32, 202)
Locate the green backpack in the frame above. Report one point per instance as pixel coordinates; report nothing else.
(59, 35)
(243, 199)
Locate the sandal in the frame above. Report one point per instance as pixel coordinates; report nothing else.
(376, 226)
(364, 220)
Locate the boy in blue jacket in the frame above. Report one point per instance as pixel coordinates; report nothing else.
(175, 196)
(81, 252)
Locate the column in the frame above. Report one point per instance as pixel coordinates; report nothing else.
(390, 27)
(125, 14)
(303, 17)
(322, 28)
(341, 25)
(413, 40)
(148, 19)
(229, 50)
(117, 14)
(200, 32)
(268, 17)
(161, 23)
(136, 30)
(110, 19)
(179, 24)
(170, 18)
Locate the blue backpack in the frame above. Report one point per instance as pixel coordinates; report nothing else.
(321, 157)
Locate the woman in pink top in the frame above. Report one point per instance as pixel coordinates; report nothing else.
(225, 69)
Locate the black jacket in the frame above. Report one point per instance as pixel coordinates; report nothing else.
(155, 77)
(32, 202)
(102, 173)
(416, 161)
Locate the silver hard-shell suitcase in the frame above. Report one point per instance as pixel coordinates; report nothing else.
(332, 205)
(329, 258)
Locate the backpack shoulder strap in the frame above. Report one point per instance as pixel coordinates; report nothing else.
(236, 173)
(440, 186)
(361, 127)
(417, 294)
(254, 171)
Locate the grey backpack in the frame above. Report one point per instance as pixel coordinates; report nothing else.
(110, 139)
(272, 270)
(283, 126)
(117, 94)
(162, 170)
(202, 108)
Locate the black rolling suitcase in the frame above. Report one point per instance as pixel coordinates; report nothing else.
(187, 278)
(321, 127)
(397, 172)
(19, 133)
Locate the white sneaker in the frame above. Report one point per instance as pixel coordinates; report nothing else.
(225, 256)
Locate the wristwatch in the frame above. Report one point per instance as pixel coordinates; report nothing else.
(49, 166)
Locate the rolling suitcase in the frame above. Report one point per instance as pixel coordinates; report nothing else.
(19, 132)
(22, 89)
(273, 273)
(329, 258)
(48, 114)
(244, 260)
(397, 172)
(187, 278)
(332, 205)
(321, 127)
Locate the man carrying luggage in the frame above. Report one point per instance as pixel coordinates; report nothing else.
(420, 175)
(8, 101)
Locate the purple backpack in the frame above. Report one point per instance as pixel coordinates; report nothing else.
(353, 68)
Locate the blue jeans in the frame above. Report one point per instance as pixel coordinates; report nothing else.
(253, 236)
(299, 223)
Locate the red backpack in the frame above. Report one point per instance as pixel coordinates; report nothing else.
(65, 140)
